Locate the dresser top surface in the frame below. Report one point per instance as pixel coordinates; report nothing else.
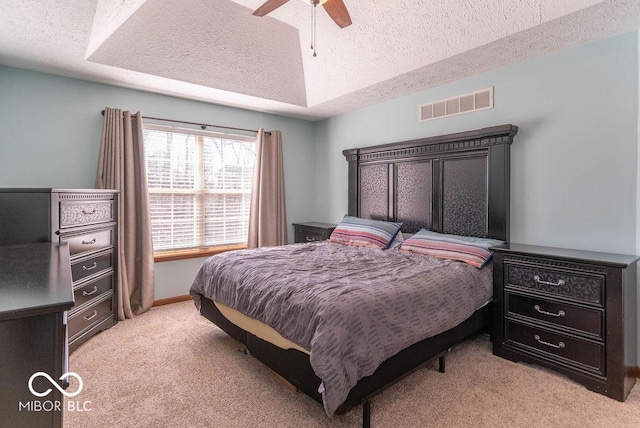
(610, 259)
(54, 190)
(315, 224)
(34, 279)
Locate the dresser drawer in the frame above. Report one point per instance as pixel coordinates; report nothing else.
(91, 266)
(92, 290)
(582, 354)
(576, 286)
(309, 235)
(86, 318)
(584, 320)
(313, 231)
(89, 242)
(86, 212)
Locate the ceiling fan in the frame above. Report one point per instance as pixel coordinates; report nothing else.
(335, 8)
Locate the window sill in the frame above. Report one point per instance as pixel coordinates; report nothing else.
(167, 256)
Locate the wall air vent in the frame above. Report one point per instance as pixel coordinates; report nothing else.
(466, 103)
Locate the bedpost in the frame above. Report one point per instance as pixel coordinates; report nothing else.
(352, 159)
(498, 176)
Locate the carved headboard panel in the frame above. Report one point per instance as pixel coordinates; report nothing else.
(456, 183)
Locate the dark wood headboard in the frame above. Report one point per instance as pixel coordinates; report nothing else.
(456, 183)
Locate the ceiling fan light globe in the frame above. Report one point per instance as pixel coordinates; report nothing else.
(317, 2)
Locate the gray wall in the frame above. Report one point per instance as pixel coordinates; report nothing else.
(638, 162)
(574, 159)
(50, 135)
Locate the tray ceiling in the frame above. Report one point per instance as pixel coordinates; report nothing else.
(217, 51)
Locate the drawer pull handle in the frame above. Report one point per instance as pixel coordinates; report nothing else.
(555, 284)
(93, 241)
(88, 212)
(92, 316)
(542, 342)
(95, 265)
(559, 314)
(310, 239)
(89, 293)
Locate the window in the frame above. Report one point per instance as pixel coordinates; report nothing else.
(199, 187)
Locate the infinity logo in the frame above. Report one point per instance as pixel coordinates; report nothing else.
(55, 384)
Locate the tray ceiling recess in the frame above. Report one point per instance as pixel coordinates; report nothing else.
(218, 51)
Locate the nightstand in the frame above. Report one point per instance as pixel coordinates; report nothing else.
(313, 231)
(568, 310)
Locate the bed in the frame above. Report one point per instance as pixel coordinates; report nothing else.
(452, 184)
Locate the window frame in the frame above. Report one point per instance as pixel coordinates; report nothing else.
(199, 251)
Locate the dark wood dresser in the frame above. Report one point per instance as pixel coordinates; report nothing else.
(87, 221)
(312, 231)
(35, 293)
(569, 310)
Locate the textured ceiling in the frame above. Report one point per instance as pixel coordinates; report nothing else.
(217, 51)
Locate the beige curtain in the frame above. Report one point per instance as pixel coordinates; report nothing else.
(121, 165)
(267, 218)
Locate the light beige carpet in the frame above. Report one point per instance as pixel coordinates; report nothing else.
(172, 368)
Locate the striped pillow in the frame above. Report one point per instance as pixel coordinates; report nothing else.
(361, 232)
(473, 251)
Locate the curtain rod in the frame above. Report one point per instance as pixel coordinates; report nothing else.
(201, 125)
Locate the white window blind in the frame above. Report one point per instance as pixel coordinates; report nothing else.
(199, 187)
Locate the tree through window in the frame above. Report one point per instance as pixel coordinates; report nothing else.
(199, 187)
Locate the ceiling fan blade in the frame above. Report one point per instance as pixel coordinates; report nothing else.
(338, 12)
(268, 7)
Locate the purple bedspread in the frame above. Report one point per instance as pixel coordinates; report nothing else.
(351, 307)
